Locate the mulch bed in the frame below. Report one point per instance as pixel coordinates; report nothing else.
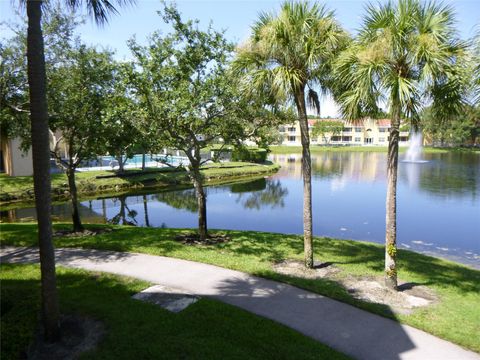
(193, 239)
(86, 232)
(79, 334)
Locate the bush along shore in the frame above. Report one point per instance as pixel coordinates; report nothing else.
(20, 188)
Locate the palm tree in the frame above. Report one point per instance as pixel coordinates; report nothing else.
(100, 9)
(287, 55)
(406, 55)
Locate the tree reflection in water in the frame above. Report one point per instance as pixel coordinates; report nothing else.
(272, 194)
(125, 216)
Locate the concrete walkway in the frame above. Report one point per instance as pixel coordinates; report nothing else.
(355, 332)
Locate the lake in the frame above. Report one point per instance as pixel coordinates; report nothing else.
(438, 203)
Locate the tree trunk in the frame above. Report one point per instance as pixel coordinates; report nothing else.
(391, 204)
(72, 186)
(145, 211)
(143, 161)
(120, 163)
(307, 178)
(41, 169)
(202, 203)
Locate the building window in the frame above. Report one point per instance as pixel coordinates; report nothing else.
(381, 139)
(291, 138)
(347, 129)
(357, 139)
(292, 129)
(281, 129)
(358, 129)
(403, 138)
(336, 138)
(382, 130)
(347, 138)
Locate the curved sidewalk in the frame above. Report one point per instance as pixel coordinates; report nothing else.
(355, 332)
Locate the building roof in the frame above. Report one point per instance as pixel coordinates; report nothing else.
(384, 122)
(380, 122)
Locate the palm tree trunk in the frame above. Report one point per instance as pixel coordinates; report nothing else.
(391, 204)
(307, 178)
(41, 168)
(143, 161)
(72, 186)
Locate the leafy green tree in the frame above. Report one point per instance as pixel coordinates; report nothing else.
(14, 99)
(327, 127)
(122, 118)
(78, 94)
(13, 89)
(406, 52)
(286, 56)
(456, 130)
(100, 9)
(189, 96)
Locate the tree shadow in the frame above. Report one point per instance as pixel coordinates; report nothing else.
(352, 331)
(30, 255)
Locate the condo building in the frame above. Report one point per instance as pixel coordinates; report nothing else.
(368, 132)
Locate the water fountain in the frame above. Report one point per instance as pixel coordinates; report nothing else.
(414, 151)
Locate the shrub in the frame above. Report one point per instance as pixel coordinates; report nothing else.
(256, 155)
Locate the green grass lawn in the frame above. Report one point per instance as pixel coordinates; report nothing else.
(283, 149)
(20, 188)
(456, 317)
(207, 329)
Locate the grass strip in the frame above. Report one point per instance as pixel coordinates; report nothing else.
(207, 329)
(20, 188)
(455, 317)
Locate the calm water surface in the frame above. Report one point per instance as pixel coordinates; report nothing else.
(438, 203)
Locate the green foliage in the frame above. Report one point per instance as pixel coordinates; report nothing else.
(407, 52)
(92, 183)
(78, 94)
(324, 127)
(456, 130)
(289, 51)
(392, 250)
(247, 154)
(124, 127)
(14, 98)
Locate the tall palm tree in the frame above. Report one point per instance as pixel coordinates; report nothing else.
(407, 55)
(287, 55)
(100, 9)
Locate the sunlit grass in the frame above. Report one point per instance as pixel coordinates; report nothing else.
(457, 286)
(20, 188)
(207, 329)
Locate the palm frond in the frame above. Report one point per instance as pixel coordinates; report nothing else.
(313, 100)
(100, 10)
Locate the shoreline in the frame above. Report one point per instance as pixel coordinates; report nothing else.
(93, 184)
(315, 149)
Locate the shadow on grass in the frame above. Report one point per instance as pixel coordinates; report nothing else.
(328, 321)
(263, 248)
(207, 329)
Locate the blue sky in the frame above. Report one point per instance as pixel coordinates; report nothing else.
(234, 16)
